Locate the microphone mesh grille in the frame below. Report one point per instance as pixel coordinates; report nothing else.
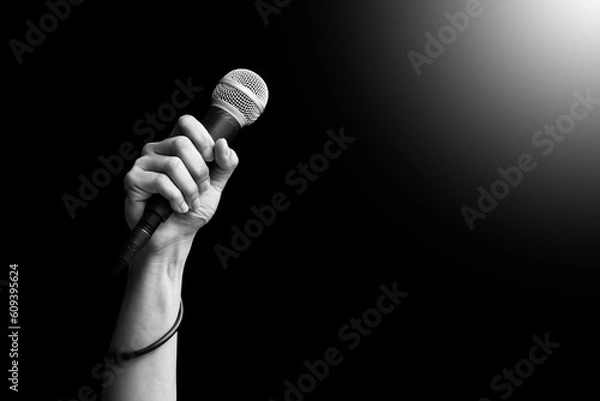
(228, 90)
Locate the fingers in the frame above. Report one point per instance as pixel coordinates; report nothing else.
(178, 172)
(146, 183)
(226, 160)
(191, 128)
(172, 154)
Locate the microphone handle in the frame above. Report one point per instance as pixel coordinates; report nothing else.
(219, 124)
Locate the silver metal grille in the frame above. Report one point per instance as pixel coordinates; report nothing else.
(245, 91)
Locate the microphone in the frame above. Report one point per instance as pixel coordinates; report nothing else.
(238, 100)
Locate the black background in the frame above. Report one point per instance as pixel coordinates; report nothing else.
(374, 217)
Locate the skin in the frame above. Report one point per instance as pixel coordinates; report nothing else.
(175, 168)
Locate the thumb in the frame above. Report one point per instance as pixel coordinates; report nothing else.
(226, 160)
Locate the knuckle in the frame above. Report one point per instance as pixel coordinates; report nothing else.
(129, 180)
(184, 118)
(173, 164)
(185, 121)
(181, 143)
(165, 188)
(161, 182)
(140, 162)
(148, 148)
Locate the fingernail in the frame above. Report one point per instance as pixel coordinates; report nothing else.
(183, 208)
(196, 204)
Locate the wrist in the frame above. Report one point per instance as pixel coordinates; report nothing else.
(164, 263)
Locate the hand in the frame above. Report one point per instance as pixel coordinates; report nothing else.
(176, 169)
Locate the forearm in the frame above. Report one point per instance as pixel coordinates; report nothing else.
(149, 309)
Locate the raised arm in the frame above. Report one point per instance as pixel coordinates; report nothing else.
(177, 169)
